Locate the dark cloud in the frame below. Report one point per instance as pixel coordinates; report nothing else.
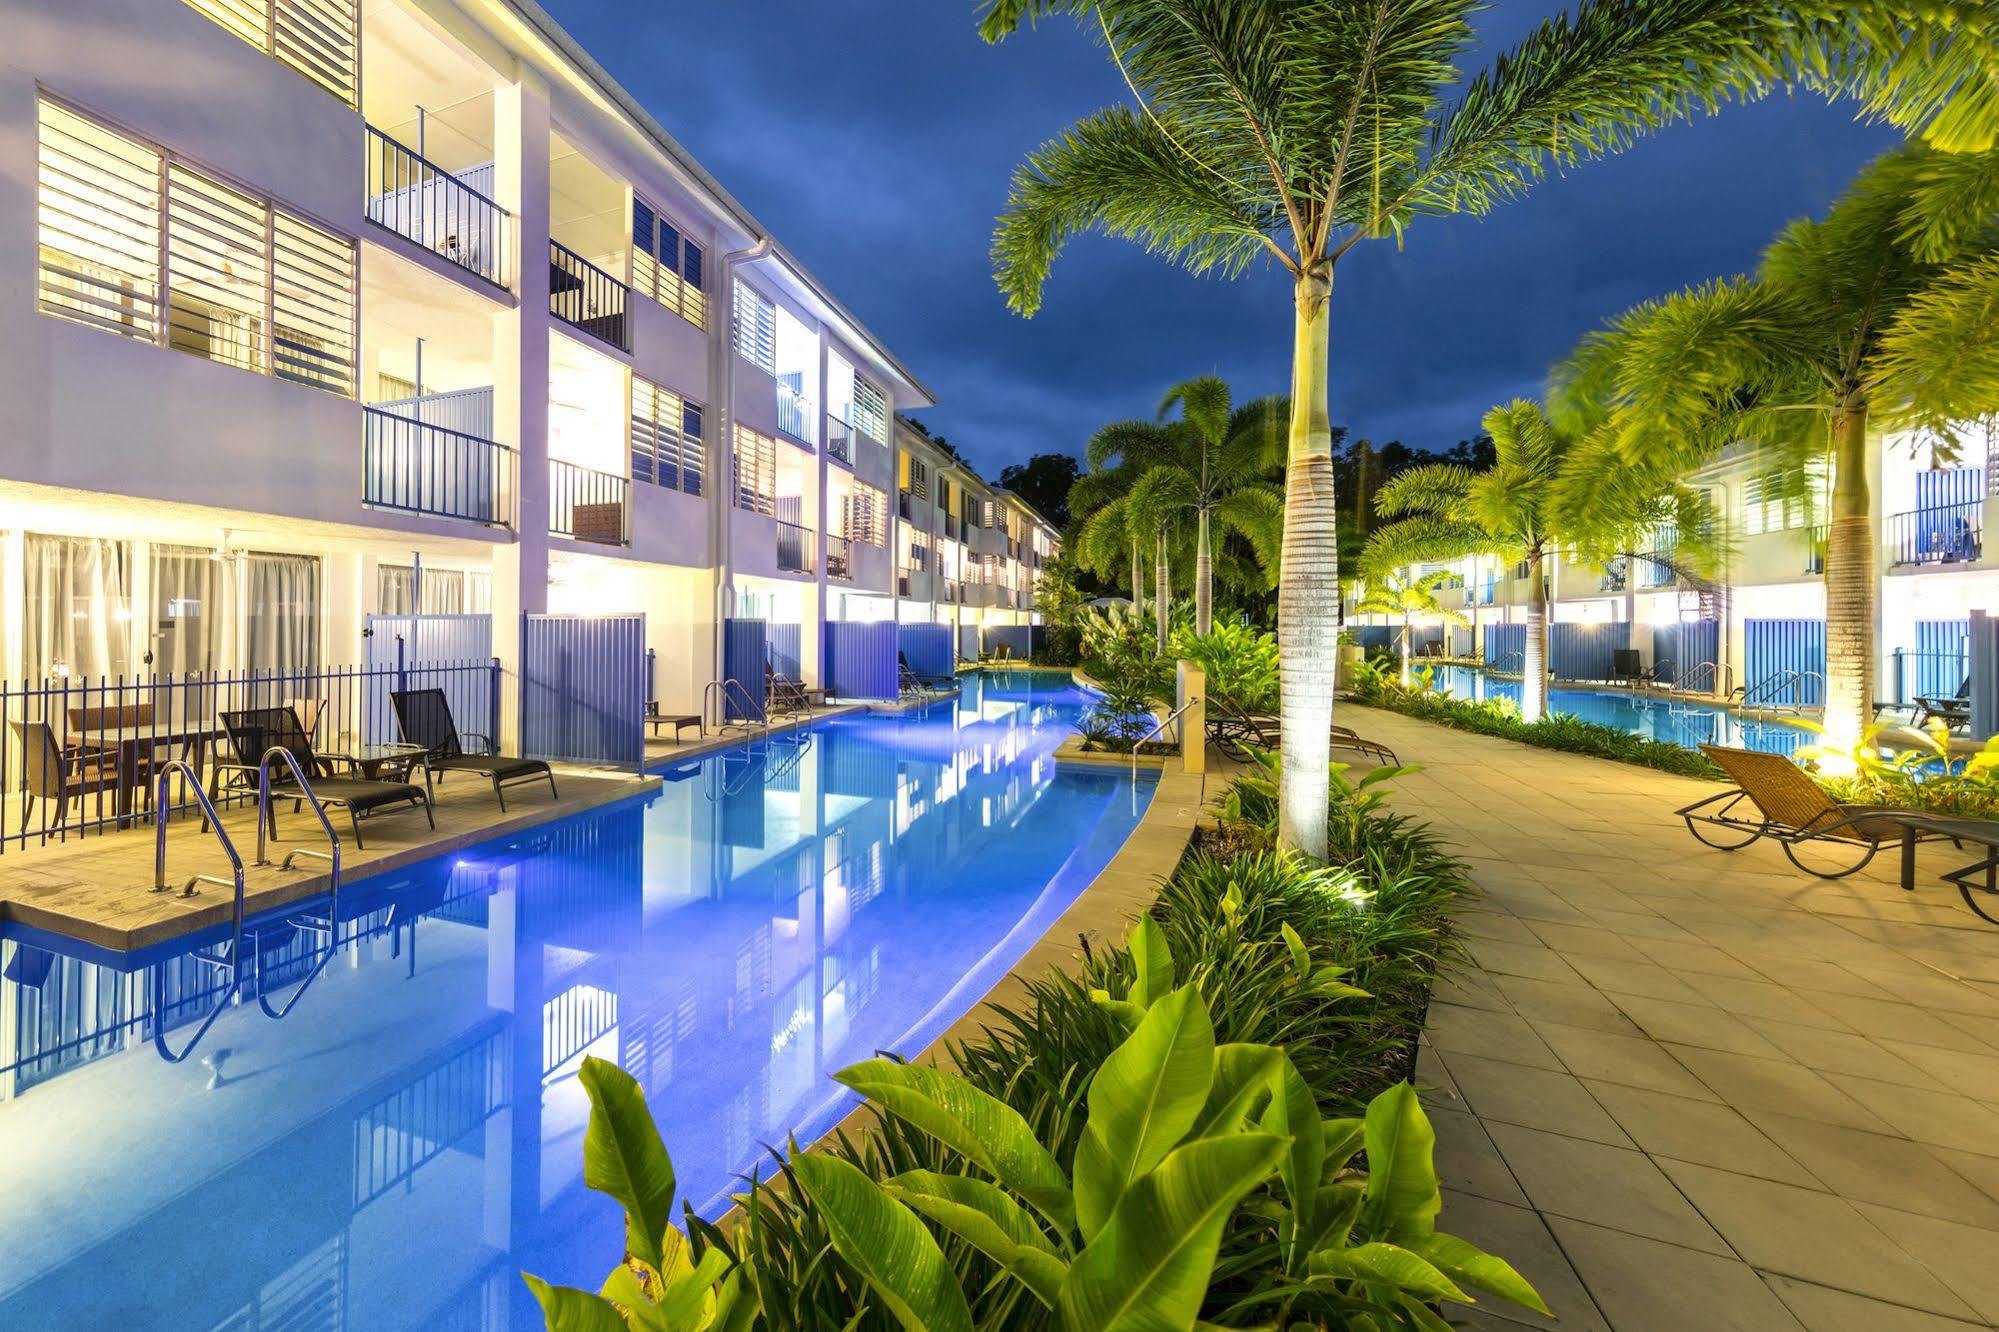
(876, 139)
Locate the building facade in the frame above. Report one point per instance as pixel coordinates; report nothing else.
(1756, 628)
(317, 310)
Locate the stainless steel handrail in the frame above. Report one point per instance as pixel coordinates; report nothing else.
(1153, 734)
(749, 705)
(234, 962)
(332, 857)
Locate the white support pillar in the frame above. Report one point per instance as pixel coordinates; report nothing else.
(520, 389)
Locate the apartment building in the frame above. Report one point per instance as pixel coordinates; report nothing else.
(323, 310)
(1758, 626)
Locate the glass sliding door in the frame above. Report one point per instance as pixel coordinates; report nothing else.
(190, 618)
(281, 613)
(77, 618)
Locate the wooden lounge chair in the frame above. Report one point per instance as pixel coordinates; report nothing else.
(1954, 712)
(254, 732)
(426, 721)
(677, 720)
(1236, 732)
(1775, 798)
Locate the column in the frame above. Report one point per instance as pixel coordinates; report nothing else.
(520, 388)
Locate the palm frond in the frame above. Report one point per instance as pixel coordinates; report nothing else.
(1204, 404)
(1938, 366)
(1434, 488)
(1929, 67)
(1256, 514)
(1121, 174)
(1425, 539)
(1953, 206)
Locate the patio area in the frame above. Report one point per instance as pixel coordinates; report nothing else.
(98, 888)
(1684, 1088)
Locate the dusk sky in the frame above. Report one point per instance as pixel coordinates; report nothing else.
(876, 137)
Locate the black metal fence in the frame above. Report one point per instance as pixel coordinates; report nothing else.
(1944, 534)
(584, 296)
(840, 558)
(422, 202)
(419, 468)
(795, 548)
(81, 756)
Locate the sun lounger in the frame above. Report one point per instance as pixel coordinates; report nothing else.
(254, 732)
(426, 721)
(1775, 798)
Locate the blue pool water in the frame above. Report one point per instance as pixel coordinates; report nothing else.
(398, 1148)
(1679, 723)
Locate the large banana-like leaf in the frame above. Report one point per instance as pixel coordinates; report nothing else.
(983, 1216)
(1153, 958)
(1469, 1265)
(886, 1243)
(1294, 1113)
(985, 1129)
(624, 1158)
(1387, 1265)
(1143, 1099)
(567, 1309)
(1402, 1194)
(1243, 1074)
(1150, 1266)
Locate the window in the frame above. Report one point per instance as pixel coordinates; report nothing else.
(246, 283)
(666, 438)
(216, 275)
(866, 517)
(99, 219)
(318, 38)
(919, 479)
(667, 266)
(1765, 507)
(870, 411)
(756, 472)
(756, 328)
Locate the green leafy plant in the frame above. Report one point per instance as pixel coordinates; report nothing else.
(1239, 662)
(667, 1281)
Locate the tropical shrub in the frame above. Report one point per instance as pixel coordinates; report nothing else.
(1240, 663)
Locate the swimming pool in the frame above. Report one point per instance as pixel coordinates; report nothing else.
(409, 1138)
(1674, 721)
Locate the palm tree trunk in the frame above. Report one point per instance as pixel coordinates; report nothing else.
(1851, 588)
(1204, 579)
(1308, 588)
(1534, 661)
(1405, 650)
(1137, 578)
(1161, 581)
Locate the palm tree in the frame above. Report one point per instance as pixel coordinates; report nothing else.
(1294, 130)
(1405, 599)
(1111, 524)
(1884, 316)
(1531, 504)
(1212, 463)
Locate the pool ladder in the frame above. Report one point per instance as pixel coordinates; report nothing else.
(225, 960)
(1762, 696)
(723, 693)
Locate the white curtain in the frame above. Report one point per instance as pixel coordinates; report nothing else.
(190, 610)
(445, 591)
(281, 619)
(392, 589)
(78, 618)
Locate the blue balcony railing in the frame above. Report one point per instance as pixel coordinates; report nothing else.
(415, 467)
(588, 505)
(840, 445)
(585, 297)
(1945, 534)
(840, 558)
(795, 548)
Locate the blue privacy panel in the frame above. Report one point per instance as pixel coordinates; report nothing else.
(1461, 640)
(1773, 648)
(1504, 641)
(1373, 637)
(583, 688)
(861, 659)
(1958, 485)
(744, 655)
(1940, 662)
(968, 641)
(405, 652)
(782, 649)
(927, 649)
(1583, 651)
(1683, 646)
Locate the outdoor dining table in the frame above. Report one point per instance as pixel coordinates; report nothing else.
(1961, 830)
(183, 739)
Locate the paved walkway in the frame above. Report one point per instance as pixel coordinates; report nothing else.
(1688, 1089)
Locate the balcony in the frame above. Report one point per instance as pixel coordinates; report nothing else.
(1944, 534)
(430, 207)
(951, 526)
(587, 505)
(1616, 575)
(840, 558)
(587, 298)
(794, 411)
(840, 443)
(902, 504)
(413, 467)
(795, 550)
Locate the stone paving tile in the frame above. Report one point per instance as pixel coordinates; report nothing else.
(1810, 1070)
(1603, 1185)
(1643, 1285)
(1522, 1237)
(1822, 1309)
(1814, 1236)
